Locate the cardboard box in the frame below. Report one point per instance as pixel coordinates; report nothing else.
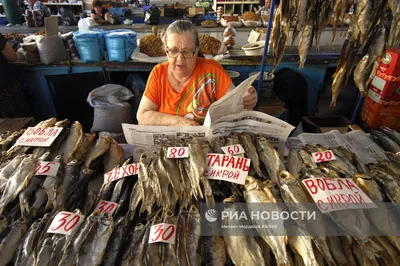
(197, 10)
(380, 114)
(382, 90)
(315, 124)
(390, 63)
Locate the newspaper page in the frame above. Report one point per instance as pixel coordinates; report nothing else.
(275, 130)
(231, 103)
(366, 149)
(356, 141)
(156, 135)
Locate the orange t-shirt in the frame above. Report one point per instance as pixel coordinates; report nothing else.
(209, 82)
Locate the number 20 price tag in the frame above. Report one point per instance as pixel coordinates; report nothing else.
(162, 233)
(65, 223)
(324, 156)
(106, 207)
(46, 168)
(178, 152)
(233, 149)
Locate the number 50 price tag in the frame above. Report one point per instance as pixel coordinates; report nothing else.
(65, 223)
(162, 233)
(324, 156)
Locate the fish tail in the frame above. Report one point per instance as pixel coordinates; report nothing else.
(324, 249)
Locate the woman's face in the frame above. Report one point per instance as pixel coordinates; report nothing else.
(184, 43)
(31, 2)
(97, 9)
(268, 3)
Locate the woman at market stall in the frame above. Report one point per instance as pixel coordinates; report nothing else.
(180, 91)
(12, 102)
(37, 5)
(99, 13)
(265, 8)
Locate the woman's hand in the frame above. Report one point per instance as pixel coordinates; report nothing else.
(183, 121)
(250, 98)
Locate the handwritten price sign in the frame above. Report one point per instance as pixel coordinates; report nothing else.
(39, 136)
(325, 156)
(162, 233)
(46, 168)
(233, 149)
(127, 170)
(106, 207)
(178, 152)
(398, 154)
(65, 223)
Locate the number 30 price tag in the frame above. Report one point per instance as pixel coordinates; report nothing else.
(178, 152)
(233, 149)
(65, 223)
(162, 233)
(46, 168)
(325, 156)
(106, 207)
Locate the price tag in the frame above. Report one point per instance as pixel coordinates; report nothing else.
(106, 207)
(65, 223)
(334, 194)
(398, 154)
(324, 156)
(227, 168)
(233, 149)
(118, 173)
(39, 136)
(46, 168)
(162, 233)
(178, 152)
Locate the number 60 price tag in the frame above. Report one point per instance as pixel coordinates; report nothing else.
(65, 223)
(162, 233)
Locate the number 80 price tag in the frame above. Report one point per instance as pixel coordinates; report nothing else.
(178, 152)
(162, 233)
(65, 223)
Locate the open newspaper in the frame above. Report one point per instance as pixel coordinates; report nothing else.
(217, 124)
(357, 141)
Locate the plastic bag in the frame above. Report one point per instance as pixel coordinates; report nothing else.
(51, 49)
(109, 95)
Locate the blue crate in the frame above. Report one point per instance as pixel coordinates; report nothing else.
(120, 44)
(90, 45)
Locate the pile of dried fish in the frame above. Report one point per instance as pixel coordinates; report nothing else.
(169, 190)
(374, 26)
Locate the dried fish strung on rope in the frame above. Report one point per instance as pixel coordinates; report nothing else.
(209, 44)
(367, 36)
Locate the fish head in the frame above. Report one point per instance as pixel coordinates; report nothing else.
(231, 199)
(287, 178)
(251, 183)
(194, 211)
(381, 175)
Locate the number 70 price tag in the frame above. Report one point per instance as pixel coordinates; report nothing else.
(65, 223)
(162, 233)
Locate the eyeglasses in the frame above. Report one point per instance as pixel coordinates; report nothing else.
(185, 53)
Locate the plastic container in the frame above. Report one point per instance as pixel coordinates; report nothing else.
(90, 45)
(120, 44)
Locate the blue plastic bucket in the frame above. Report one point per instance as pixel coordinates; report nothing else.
(120, 44)
(90, 45)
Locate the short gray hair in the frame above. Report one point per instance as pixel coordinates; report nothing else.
(181, 27)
